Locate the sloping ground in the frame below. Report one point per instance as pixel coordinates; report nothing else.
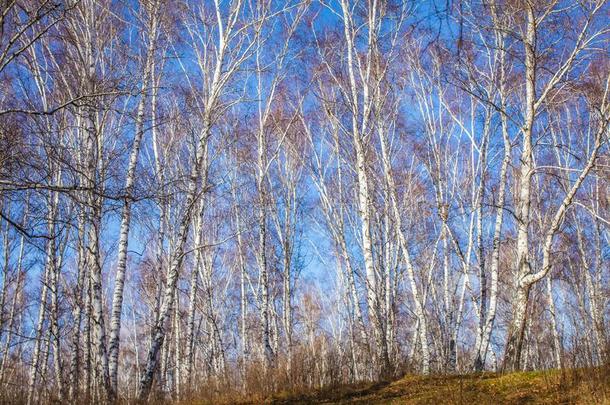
(538, 387)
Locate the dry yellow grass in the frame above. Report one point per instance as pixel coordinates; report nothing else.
(591, 386)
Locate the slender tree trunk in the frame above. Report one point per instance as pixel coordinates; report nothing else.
(88, 355)
(77, 311)
(119, 283)
(262, 246)
(483, 287)
(5, 273)
(95, 275)
(177, 353)
(243, 291)
(516, 328)
(54, 330)
(554, 331)
(198, 230)
(287, 304)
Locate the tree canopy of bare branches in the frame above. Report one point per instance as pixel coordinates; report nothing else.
(232, 197)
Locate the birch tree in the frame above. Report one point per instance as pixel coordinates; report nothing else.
(539, 87)
(225, 57)
(115, 321)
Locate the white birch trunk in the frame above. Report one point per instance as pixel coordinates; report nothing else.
(119, 283)
(516, 329)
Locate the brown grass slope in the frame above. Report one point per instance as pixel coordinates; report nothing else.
(584, 386)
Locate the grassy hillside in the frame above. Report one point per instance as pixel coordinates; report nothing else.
(538, 387)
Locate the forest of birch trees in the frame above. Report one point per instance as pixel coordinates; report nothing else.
(209, 196)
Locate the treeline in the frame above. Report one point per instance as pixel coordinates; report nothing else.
(234, 197)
